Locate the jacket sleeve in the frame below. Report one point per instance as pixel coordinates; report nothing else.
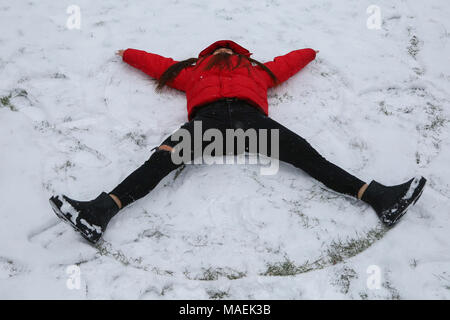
(289, 64)
(154, 65)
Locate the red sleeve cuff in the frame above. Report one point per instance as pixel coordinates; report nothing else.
(312, 53)
(126, 55)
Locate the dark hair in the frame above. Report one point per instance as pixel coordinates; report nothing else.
(221, 60)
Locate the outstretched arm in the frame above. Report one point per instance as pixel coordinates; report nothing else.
(153, 65)
(289, 64)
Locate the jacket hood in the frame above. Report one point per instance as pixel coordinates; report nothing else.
(225, 44)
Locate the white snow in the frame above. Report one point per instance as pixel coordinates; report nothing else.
(412, 188)
(92, 227)
(67, 208)
(78, 121)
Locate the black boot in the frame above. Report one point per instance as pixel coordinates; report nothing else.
(89, 218)
(392, 202)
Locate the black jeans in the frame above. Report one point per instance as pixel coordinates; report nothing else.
(232, 113)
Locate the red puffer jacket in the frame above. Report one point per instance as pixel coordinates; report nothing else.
(204, 86)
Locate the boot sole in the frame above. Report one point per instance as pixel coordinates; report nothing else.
(415, 197)
(60, 215)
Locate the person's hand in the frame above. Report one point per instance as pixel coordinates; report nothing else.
(120, 52)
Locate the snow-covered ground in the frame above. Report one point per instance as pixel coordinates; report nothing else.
(74, 119)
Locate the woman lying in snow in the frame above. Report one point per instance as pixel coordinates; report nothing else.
(226, 89)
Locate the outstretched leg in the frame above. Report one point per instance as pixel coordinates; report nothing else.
(131, 189)
(297, 151)
(90, 218)
(160, 164)
(389, 202)
(145, 178)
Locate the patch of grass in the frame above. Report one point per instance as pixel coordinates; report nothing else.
(217, 295)
(5, 101)
(363, 295)
(384, 109)
(212, 274)
(19, 93)
(66, 166)
(337, 252)
(83, 261)
(165, 289)
(407, 110)
(288, 268)
(10, 267)
(358, 144)
(58, 75)
(417, 157)
(276, 99)
(105, 249)
(306, 221)
(419, 91)
(395, 294)
(139, 139)
(178, 172)
(340, 250)
(436, 123)
(419, 71)
(344, 278)
(413, 48)
(236, 275)
(153, 234)
(432, 109)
